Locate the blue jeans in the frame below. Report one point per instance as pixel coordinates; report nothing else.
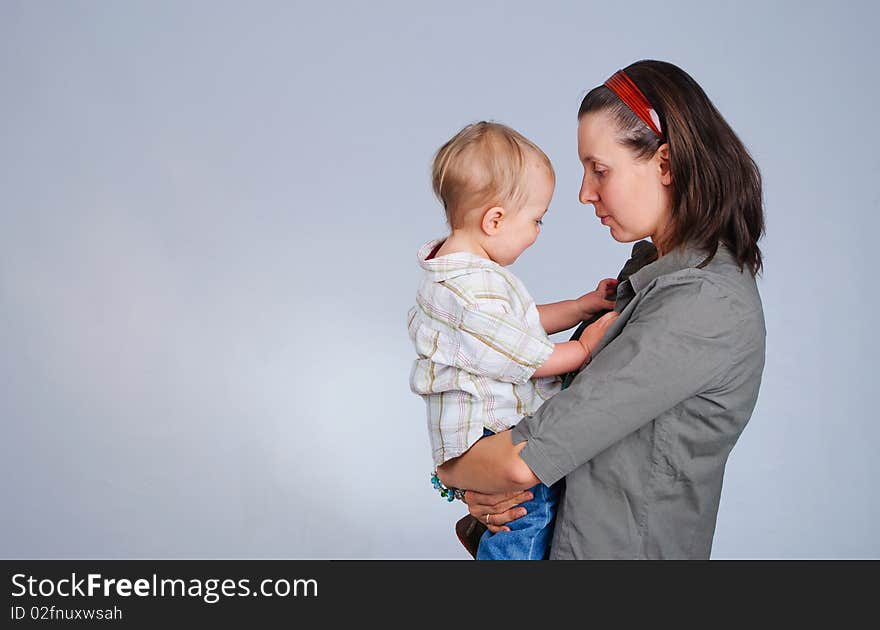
(529, 537)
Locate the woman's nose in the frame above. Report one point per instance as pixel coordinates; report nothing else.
(588, 190)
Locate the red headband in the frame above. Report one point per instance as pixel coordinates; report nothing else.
(632, 96)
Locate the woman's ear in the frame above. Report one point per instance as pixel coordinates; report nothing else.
(663, 165)
(492, 219)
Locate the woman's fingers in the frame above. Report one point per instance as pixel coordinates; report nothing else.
(498, 520)
(503, 506)
(500, 508)
(474, 498)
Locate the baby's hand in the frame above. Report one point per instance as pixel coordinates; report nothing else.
(594, 332)
(602, 299)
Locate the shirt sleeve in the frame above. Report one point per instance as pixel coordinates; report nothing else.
(496, 343)
(678, 340)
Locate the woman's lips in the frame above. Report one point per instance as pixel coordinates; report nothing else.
(605, 220)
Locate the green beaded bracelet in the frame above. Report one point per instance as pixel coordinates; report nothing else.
(450, 494)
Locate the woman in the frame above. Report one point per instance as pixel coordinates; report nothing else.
(643, 434)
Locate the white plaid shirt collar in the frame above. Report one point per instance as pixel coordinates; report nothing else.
(451, 265)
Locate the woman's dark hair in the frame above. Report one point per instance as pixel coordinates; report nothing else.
(716, 185)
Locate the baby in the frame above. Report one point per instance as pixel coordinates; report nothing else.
(484, 356)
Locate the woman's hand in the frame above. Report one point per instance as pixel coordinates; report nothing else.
(602, 299)
(500, 508)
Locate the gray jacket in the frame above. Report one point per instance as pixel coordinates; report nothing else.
(642, 434)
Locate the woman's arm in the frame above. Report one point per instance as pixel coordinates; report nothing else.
(492, 466)
(679, 340)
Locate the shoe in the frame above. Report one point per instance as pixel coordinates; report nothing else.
(469, 531)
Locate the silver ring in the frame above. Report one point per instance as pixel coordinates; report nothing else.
(487, 519)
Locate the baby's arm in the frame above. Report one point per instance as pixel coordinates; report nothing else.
(571, 355)
(560, 316)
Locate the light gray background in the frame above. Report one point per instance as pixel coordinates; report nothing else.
(210, 215)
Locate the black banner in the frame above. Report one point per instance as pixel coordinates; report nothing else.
(177, 593)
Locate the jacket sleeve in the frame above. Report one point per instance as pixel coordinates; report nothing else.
(677, 341)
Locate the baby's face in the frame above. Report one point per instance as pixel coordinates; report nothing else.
(521, 227)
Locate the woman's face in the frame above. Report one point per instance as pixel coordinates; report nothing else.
(632, 197)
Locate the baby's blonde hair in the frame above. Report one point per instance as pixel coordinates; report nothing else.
(483, 164)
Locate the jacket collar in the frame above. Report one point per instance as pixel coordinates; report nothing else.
(677, 260)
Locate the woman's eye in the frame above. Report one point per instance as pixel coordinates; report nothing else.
(539, 222)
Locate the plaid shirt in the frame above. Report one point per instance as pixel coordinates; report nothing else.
(479, 339)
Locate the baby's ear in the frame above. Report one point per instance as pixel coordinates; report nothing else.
(493, 219)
